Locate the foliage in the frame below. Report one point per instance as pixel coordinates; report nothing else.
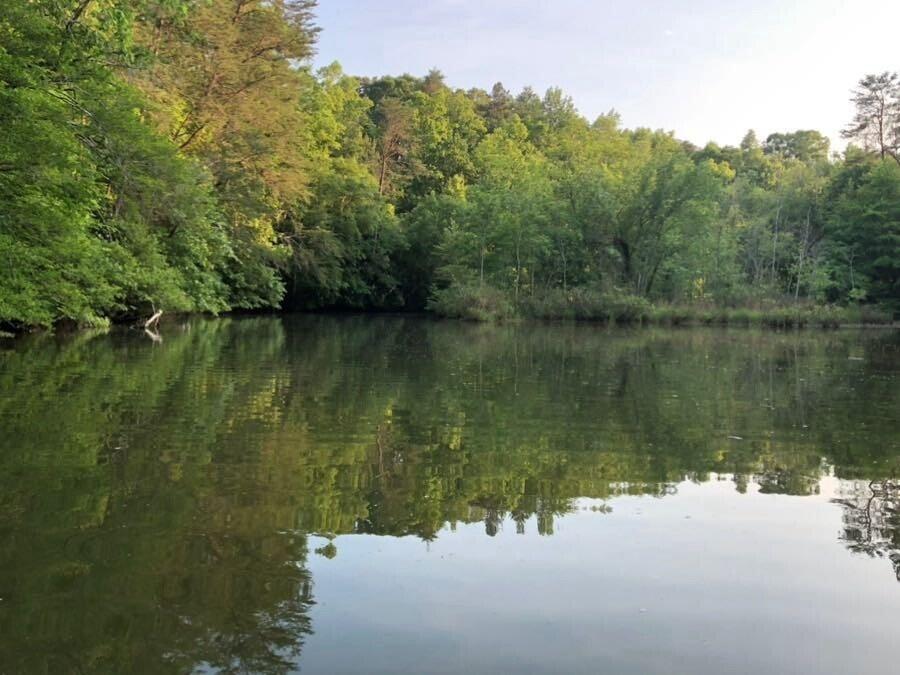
(865, 228)
(343, 239)
(877, 119)
(472, 302)
(103, 217)
(191, 161)
(588, 304)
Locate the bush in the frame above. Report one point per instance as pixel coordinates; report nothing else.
(628, 308)
(773, 316)
(866, 315)
(585, 304)
(471, 302)
(675, 315)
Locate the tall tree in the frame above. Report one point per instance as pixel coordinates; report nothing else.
(804, 145)
(227, 92)
(395, 161)
(865, 225)
(877, 120)
(103, 218)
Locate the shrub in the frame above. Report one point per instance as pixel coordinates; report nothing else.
(586, 304)
(471, 302)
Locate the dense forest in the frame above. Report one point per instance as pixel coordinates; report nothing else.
(183, 155)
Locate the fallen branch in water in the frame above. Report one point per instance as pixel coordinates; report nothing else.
(155, 336)
(153, 320)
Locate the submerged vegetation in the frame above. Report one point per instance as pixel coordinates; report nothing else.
(183, 155)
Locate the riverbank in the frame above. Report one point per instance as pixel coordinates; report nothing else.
(586, 305)
(493, 307)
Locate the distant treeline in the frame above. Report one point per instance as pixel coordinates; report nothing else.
(183, 155)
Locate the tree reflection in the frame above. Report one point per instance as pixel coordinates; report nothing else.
(871, 517)
(155, 498)
(101, 579)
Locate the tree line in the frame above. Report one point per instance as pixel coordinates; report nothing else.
(184, 155)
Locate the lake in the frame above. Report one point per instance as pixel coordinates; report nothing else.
(399, 495)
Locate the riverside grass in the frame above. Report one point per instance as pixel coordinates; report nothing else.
(488, 304)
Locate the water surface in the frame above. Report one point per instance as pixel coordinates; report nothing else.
(398, 495)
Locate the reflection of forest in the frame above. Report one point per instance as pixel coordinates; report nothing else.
(872, 519)
(155, 498)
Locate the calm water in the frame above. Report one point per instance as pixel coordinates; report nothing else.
(385, 495)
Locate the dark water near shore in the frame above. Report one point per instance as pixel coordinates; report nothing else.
(397, 495)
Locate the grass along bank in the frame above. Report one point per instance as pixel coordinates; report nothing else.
(579, 304)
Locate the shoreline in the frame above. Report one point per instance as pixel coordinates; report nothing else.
(773, 322)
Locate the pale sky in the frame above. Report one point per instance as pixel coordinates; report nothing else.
(707, 69)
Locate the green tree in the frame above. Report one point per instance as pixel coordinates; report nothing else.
(877, 120)
(663, 201)
(343, 241)
(865, 226)
(804, 145)
(447, 130)
(227, 93)
(507, 211)
(107, 219)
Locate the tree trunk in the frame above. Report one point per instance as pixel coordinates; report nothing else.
(565, 285)
(481, 267)
(800, 262)
(518, 268)
(382, 174)
(775, 245)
